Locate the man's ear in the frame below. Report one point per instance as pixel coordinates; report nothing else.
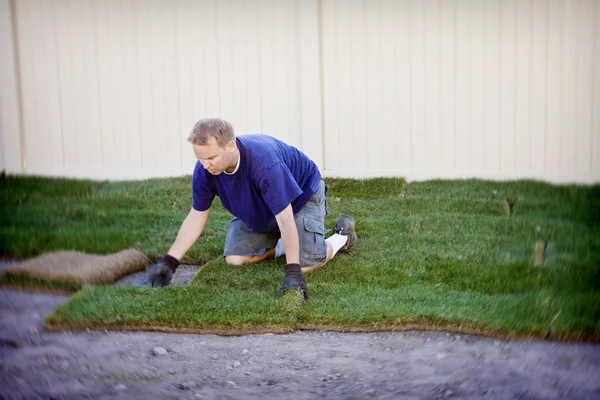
(230, 146)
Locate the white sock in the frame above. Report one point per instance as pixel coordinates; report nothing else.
(279, 250)
(337, 241)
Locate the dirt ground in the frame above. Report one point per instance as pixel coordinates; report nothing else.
(303, 365)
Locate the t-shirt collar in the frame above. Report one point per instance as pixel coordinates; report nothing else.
(237, 166)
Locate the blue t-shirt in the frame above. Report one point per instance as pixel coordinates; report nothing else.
(271, 175)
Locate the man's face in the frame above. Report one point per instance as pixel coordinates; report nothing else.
(214, 158)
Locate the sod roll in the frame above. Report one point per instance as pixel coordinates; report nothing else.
(81, 268)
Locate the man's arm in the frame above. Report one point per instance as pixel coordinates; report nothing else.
(161, 273)
(191, 229)
(289, 235)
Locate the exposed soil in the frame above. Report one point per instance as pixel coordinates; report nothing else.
(182, 276)
(308, 364)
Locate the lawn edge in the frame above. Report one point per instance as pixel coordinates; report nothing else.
(277, 329)
(215, 330)
(467, 330)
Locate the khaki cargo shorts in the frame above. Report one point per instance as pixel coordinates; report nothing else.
(310, 222)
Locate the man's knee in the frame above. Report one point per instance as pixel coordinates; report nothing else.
(237, 260)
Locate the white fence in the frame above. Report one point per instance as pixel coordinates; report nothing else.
(424, 89)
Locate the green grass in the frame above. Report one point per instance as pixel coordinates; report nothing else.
(40, 215)
(435, 254)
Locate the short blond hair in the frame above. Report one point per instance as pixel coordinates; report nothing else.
(204, 129)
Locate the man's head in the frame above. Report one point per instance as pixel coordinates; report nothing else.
(214, 145)
(204, 129)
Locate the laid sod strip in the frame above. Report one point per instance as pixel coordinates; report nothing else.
(202, 306)
(354, 294)
(539, 315)
(175, 309)
(430, 255)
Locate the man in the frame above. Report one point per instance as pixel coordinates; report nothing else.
(277, 198)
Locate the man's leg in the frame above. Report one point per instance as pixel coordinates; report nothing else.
(343, 238)
(239, 260)
(322, 264)
(315, 250)
(243, 246)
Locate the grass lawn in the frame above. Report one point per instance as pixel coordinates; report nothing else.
(435, 255)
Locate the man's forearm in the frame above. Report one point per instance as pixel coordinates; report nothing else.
(191, 229)
(289, 235)
(291, 244)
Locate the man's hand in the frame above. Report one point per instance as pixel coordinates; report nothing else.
(294, 280)
(161, 273)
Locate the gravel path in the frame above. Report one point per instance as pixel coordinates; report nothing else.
(304, 365)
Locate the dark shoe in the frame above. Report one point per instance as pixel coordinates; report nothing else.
(345, 226)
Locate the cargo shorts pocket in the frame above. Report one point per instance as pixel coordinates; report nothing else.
(313, 249)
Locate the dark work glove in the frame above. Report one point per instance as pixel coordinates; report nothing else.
(161, 273)
(294, 280)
